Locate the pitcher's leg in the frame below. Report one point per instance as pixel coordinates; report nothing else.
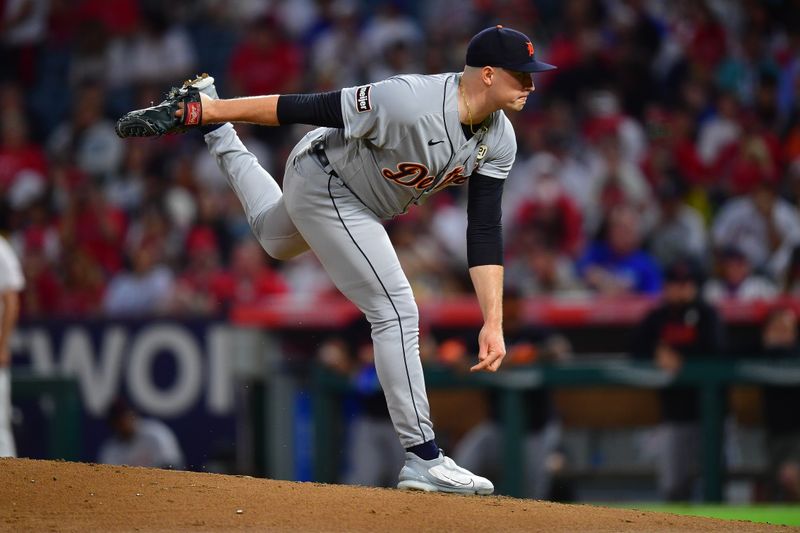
(258, 192)
(355, 250)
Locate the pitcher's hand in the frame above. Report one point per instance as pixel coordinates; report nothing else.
(491, 349)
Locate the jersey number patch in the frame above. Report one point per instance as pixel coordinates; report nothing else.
(363, 102)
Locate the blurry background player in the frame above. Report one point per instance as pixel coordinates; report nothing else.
(374, 456)
(682, 326)
(481, 448)
(139, 441)
(11, 283)
(781, 407)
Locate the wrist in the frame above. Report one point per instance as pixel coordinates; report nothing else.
(209, 112)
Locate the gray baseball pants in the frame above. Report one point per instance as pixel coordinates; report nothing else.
(317, 211)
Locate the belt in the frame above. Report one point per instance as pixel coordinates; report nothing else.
(318, 151)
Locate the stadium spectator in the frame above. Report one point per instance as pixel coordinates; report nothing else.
(139, 441)
(331, 58)
(19, 156)
(88, 140)
(23, 24)
(540, 269)
(424, 261)
(82, 286)
(548, 210)
(157, 51)
(254, 278)
(266, 62)
(762, 224)
(88, 223)
(779, 341)
(679, 230)
(682, 326)
(616, 264)
(721, 131)
(204, 287)
(736, 280)
(145, 289)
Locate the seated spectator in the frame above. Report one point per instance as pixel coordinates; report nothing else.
(549, 211)
(204, 287)
(481, 447)
(88, 139)
(332, 63)
(144, 289)
(779, 340)
(423, 259)
(91, 224)
(683, 326)
(617, 264)
(253, 277)
(539, 269)
(762, 225)
(736, 280)
(82, 285)
(160, 51)
(139, 441)
(17, 153)
(266, 61)
(616, 180)
(721, 131)
(679, 230)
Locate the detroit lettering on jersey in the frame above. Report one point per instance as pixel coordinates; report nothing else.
(389, 152)
(416, 175)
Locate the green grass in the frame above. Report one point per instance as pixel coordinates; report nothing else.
(788, 515)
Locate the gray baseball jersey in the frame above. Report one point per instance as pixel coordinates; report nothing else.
(403, 141)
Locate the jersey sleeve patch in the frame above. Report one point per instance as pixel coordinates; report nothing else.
(363, 102)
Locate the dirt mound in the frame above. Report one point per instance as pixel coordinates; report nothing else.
(61, 496)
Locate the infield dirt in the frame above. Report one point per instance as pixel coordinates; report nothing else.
(62, 496)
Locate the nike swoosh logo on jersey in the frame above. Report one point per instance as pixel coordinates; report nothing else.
(432, 143)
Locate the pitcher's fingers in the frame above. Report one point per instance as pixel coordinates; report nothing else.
(485, 364)
(179, 111)
(495, 366)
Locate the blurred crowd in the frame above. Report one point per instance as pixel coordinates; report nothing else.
(670, 130)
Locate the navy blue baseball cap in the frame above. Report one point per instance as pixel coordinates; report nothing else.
(506, 48)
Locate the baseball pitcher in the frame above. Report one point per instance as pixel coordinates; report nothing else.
(380, 148)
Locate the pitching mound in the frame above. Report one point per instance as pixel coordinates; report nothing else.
(61, 496)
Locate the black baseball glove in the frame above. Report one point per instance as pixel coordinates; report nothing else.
(160, 119)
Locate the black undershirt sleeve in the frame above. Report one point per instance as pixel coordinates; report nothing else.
(317, 109)
(484, 225)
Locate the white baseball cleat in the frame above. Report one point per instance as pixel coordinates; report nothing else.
(203, 83)
(441, 475)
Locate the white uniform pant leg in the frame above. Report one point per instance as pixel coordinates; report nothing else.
(258, 192)
(7, 447)
(352, 245)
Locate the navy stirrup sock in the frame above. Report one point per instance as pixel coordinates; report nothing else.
(426, 451)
